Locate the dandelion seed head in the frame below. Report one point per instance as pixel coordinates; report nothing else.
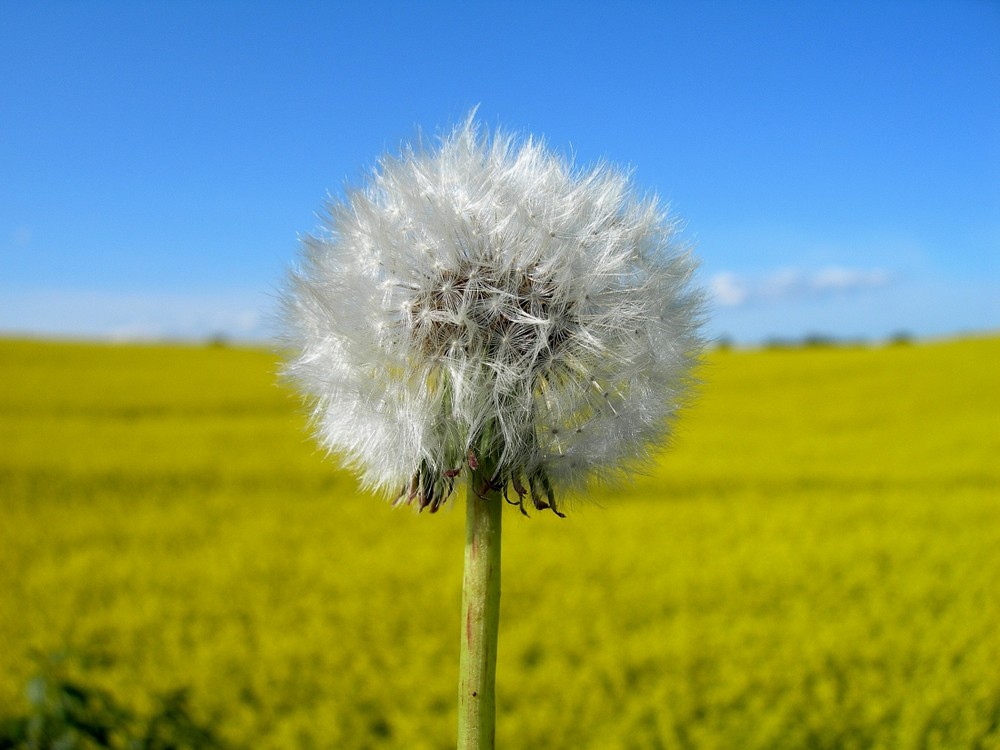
(485, 298)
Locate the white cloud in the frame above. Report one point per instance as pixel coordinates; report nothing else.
(22, 237)
(782, 285)
(849, 279)
(728, 290)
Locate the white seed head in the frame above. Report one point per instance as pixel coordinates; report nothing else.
(484, 300)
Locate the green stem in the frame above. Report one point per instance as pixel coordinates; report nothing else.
(481, 616)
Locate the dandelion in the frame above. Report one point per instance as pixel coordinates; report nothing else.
(483, 308)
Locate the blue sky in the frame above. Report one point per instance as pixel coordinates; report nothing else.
(836, 164)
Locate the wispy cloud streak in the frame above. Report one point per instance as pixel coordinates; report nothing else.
(136, 316)
(735, 290)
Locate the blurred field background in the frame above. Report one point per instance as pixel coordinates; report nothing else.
(815, 564)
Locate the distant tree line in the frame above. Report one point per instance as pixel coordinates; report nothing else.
(814, 340)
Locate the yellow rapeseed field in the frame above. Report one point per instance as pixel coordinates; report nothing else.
(814, 564)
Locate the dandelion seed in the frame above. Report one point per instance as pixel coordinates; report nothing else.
(436, 319)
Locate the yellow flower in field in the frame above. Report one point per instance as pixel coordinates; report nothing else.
(485, 302)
